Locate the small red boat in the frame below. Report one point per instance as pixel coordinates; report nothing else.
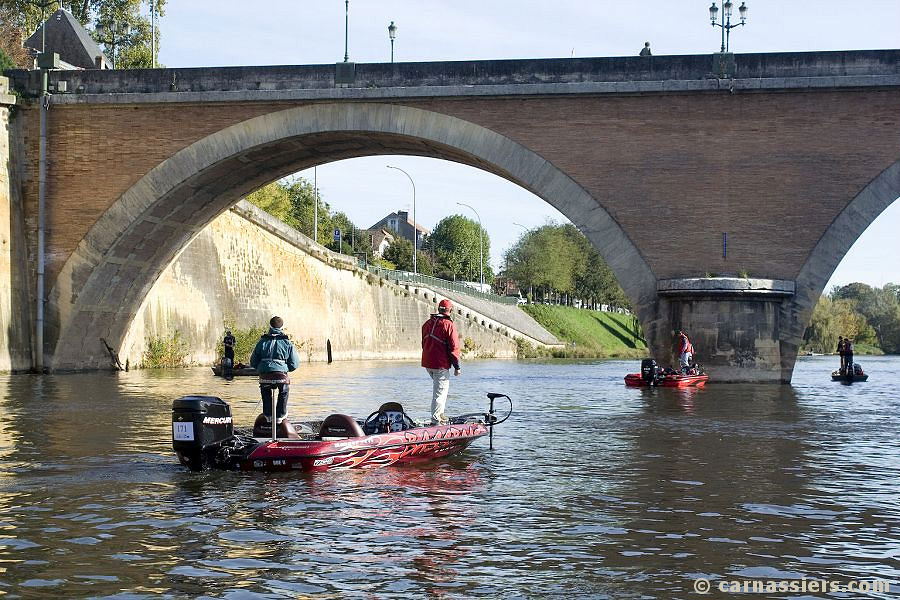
(653, 375)
(635, 380)
(203, 437)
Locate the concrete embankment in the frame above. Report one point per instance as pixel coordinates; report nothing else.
(246, 266)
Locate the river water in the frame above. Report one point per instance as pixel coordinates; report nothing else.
(592, 489)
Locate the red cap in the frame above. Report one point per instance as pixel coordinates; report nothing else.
(445, 306)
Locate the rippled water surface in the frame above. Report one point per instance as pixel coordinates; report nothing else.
(592, 489)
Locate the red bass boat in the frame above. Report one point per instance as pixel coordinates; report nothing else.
(652, 375)
(635, 380)
(203, 437)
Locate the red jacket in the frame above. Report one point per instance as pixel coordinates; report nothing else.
(440, 344)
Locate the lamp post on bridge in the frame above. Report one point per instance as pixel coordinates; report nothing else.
(480, 244)
(726, 23)
(392, 33)
(117, 31)
(415, 223)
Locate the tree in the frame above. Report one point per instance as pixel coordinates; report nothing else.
(12, 54)
(559, 259)
(400, 252)
(132, 45)
(275, 200)
(457, 250)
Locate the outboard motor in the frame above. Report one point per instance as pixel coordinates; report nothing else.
(649, 371)
(200, 424)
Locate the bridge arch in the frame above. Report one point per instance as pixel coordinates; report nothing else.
(103, 283)
(833, 246)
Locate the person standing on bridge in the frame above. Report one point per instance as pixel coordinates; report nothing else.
(440, 351)
(645, 51)
(274, 357)
(685, 351)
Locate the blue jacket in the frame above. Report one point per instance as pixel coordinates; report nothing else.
(274, 352)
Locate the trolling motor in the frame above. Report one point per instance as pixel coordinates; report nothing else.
(490, 418)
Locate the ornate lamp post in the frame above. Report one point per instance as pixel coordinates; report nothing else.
(392, 33)
(346, 29)
(726, 23)
(415, 224)
(116, 32)
(480, 244)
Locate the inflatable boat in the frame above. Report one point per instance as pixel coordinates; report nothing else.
(838, 376)
(203, 437)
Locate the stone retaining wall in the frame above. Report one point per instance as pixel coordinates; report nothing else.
(247, 266)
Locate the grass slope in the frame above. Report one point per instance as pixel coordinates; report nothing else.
(593, 333)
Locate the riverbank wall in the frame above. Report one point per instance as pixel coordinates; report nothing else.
(247, 266)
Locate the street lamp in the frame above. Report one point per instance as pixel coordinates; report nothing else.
(114, 28)
(392, 33)
(480, 244)
(346, 28)
(415, 225)
(726, 23)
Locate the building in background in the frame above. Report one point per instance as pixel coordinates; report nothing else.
(65, 36)
(400, 223)
(379, 240)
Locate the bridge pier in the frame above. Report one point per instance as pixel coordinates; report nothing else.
(736, 325)
(15, 297)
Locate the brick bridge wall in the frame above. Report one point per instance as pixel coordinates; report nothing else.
(673, 157)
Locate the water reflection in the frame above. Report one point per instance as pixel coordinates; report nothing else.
(593, 489)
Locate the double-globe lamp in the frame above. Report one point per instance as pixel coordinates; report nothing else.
(726, 23)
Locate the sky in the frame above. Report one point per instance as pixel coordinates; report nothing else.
(198, 33)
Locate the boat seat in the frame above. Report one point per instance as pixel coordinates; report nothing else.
(339, 427)
(262, 428)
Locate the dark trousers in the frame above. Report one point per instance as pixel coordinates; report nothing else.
(267, 390)
(848, 361)
(229, 353)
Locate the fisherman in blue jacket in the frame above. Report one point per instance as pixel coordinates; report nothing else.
(273, 357)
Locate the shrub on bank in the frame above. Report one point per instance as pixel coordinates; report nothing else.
(244, 341)
(166, 352)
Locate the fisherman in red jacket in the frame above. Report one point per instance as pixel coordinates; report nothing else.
(440, 351)
(685, 351)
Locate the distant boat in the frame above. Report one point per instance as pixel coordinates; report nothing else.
(814, 354)
(240, 372)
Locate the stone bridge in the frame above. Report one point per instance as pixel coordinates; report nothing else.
(722, 204)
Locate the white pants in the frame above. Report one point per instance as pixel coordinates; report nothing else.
(686, 359)
(441, 380)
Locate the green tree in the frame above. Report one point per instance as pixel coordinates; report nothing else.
(559, 260)
(133, 45)
(879, 308)
(400, 252)
(276, 200)
(456, 248)
(303, 211)
(5, 61)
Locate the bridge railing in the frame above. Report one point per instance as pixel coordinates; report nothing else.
(435, 282)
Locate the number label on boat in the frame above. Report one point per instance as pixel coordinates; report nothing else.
(183, 432)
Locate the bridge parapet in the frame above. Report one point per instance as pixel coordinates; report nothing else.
(860, 67)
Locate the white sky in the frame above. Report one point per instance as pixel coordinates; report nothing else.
(197, 33)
